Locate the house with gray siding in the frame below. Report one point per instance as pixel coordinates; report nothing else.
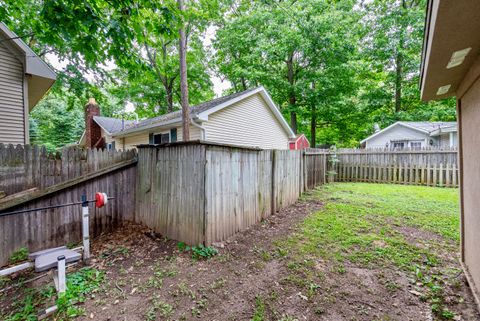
(408, 134)
(248, 118)
(24, 80)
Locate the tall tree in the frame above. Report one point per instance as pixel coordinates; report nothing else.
(183, 78)
(287, 46)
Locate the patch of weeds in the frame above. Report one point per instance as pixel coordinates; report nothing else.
(154, 282)
(282, 252)
(435, 292)
(3, 281)
(19, 255)
(259, 313)
(158, 307)
(195, 311)
(340, 269)
(319, 310)
(198, 252)
(264, 254)
(202, 303)
(185, 291)
(203, 252)
(392, 286)
(296, 280)
(80, 285)
(312, 289)
(114, 252)
(218, 283)
(182, 247)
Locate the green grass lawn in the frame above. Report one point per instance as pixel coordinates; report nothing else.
(408, 228)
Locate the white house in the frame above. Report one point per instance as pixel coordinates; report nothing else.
(24, 79)
(248, 118)
(403, 134)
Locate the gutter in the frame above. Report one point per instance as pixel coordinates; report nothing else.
(192, 121)
(426, 38)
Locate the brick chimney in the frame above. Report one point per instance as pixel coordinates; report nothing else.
(93, 132)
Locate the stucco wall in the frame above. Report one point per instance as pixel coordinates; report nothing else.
(470, 124)
(395, 133)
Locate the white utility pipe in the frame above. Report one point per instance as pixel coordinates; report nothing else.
(85, 233)
(198, 126)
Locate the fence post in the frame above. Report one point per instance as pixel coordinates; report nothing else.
(274, 180)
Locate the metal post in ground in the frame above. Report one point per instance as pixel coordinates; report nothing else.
(85, 230)
(62, 282)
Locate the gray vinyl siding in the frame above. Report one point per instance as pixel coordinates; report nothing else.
(249, 122)
(12, 108)
(396, 133)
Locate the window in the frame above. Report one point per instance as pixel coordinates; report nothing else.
(161, 138)
(398, 145)
(173, 135)
(416, 145)
(111, 146)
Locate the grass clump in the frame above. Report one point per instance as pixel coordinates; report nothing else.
(19, 255)
(259, 313)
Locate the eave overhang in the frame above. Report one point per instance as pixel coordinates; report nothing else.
(452, 27)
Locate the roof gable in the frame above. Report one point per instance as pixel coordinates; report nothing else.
(423, 127)
(203, 110)
(42, 76)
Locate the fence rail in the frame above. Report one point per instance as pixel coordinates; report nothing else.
(26, 167)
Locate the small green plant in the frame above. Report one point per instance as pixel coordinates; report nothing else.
(19, 255)
(259, 313)
(198, 252)
(203, 252)
(182, 247)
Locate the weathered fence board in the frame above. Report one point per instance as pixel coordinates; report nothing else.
(171, 191)
(219, 191)
(315, 169)
(60, 226)
(25, 167)
(432, 167)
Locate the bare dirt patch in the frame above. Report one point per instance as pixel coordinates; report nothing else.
(253, 277)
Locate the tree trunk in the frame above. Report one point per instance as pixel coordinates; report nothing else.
(244, 83)
(183, 80)
(292, 99)
(398, 82)
(313, 126)
(169, 99)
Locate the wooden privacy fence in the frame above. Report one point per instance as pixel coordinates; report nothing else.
(430, 167)
(202, 193)
(26, 167)
(60, 226)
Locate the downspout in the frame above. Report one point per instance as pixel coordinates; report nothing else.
(198, 126)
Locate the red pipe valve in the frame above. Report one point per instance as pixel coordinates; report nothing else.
(101, 199)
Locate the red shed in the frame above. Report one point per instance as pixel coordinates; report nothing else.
(299, 142)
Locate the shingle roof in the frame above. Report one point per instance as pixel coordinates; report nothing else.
(424, 126)
(194, 110)
(428, 126)
(112, 125)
